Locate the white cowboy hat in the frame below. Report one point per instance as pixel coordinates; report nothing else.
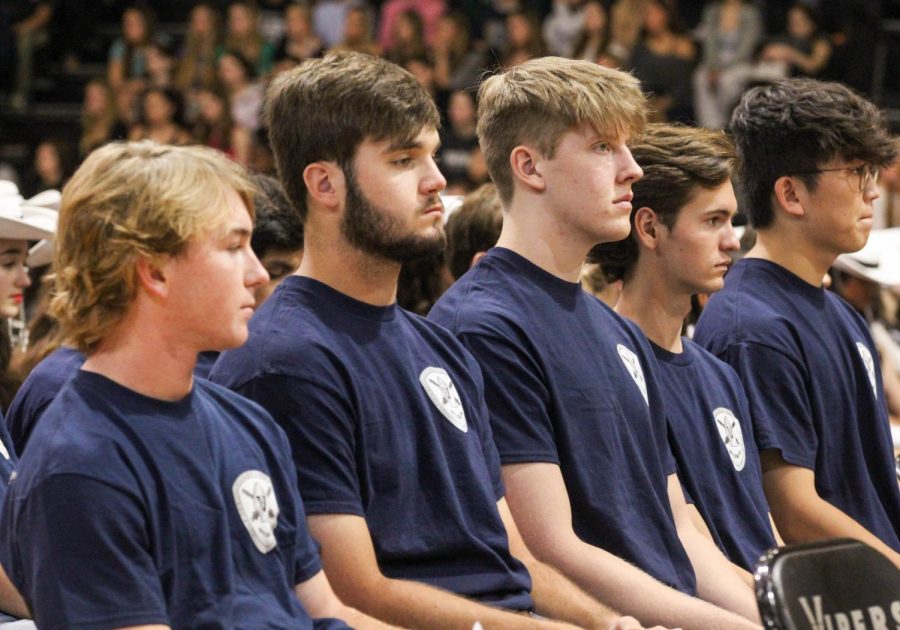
(29, 219)
(878, 261)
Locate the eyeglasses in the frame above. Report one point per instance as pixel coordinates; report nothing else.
(865, 172)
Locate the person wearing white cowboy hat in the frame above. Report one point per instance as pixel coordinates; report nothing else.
(21, 223)
(870, 271)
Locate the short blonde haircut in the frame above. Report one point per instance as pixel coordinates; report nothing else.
(126, 201)
(535, 103)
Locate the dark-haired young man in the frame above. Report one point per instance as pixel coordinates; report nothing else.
(277, 234)
(576, 410)
(384, 409)
(680, 245)
(473, 229)
(809, 154)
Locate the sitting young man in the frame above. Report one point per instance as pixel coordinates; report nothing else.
(809, 154)
(680, 245)
(149, 498)
(278, 243)
(578, 418)
(473, 229)
(384, 409)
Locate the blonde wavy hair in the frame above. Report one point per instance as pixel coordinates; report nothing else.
(126, 201)
(537, 102)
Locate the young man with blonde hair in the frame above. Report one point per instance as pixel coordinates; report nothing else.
(576, 412)
(809, 155)
(148, 498)
(384, 409)
(680, 245)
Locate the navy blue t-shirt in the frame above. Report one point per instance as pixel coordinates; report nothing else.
(128, 510)
(811, 374)
(38, 391)
(569, 382)
(8, 462)
(711, 436)
(8, 459)
(385, 414)
(205, 362)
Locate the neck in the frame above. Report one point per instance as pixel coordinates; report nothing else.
(789, 250)
(329, 259)
(146, 356)
(530, 231)
(658, 311)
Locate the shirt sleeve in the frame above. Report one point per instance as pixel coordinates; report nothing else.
(486, 434)
(320, 426)
(79, 551)
(517, 400)
(307, 561)
(776, 388)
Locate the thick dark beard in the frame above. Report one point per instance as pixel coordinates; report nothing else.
(373, 231)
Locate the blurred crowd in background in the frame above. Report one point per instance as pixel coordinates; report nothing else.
(181, 72)
(75, 75)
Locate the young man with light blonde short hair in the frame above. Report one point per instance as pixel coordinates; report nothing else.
(384, 409)
(577, 414)
(149, 499)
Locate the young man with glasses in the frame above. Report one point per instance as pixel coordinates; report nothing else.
(809, 155)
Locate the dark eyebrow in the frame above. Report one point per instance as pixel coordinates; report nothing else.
(12, 251)
(408, 145)
(403, 145)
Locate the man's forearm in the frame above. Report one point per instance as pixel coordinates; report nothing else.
(816, 519)
(416, 605)
(558, 597)
(633, 592)
(362, 621)
(11, 601)
(717, 580)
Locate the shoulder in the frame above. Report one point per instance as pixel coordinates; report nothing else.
(287, 326)
(846, 315)
(495, 297)
(711, 364)
(48, 376)
(747, 306)
(74, 434)
(226, 405)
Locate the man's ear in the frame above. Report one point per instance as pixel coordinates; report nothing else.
(789, 194)
(152, 275)
(526, 168)
(476, 257)
(325, 184)
(647, 227)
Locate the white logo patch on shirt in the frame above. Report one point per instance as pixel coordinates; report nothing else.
(633, 365)
(258, 507)
(443, 394)
(730, 432)
(870, 365)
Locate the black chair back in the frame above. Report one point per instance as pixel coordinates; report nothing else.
(838, 584)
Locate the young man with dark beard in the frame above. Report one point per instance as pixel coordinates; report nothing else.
(384, 409)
